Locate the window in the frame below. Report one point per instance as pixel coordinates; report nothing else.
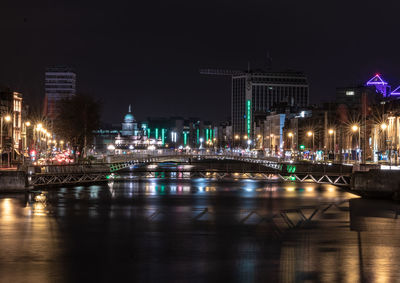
(349, 92)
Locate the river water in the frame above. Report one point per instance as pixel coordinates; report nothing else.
(197, 231)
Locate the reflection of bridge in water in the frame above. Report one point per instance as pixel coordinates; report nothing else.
(186, 166)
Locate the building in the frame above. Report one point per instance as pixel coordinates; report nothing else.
(129, 126)
(272, 134)
(60, 84)
(255, 92)
(380, 85)
(12, 129)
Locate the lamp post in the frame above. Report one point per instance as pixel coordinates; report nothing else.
(311, 134)
(237, 137)
(333, 132)
(25, 144)
(356, 128)
(384, 127)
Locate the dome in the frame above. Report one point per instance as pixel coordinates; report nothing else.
(129, 117)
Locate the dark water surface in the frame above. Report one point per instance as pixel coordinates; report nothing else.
(198, 231)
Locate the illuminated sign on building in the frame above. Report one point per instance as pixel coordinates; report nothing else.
(248, 117)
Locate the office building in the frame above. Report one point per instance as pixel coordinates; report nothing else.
(258, 92)
(60, 84)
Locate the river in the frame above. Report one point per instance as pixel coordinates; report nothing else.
(197, 231)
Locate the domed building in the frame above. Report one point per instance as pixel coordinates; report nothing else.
(129, 126)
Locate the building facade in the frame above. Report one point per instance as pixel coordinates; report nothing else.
(12, 129)
(258, 92)
(60, 84)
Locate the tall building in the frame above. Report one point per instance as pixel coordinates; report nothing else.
(256, 92)
(60, 84)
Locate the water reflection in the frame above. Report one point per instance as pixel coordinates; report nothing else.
(202, 231)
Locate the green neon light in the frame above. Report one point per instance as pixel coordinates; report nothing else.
(163, 131)
(148, 132)
(248, 117)
(291, 168)
(198, 136)
(185, 138)
(156, 133)
(207, 132)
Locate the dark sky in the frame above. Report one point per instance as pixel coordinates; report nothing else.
(148, 53)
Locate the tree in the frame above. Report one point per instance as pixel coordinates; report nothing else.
(78, 118)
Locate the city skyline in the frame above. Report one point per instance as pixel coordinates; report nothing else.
(150, 59)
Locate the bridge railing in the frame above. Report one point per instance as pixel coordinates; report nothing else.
(71, 168)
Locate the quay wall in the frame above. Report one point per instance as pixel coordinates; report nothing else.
(376, 183)
(13, 181)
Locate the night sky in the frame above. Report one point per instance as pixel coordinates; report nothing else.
(148, 53)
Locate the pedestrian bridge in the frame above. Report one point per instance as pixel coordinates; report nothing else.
(186, 166)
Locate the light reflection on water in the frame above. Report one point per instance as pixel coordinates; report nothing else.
(206, 231)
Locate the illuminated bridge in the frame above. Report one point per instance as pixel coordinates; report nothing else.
(186, 166)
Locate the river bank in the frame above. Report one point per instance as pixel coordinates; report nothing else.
(13, 181)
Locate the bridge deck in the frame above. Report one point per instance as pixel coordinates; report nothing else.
(260, 169)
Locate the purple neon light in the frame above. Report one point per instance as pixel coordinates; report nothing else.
(376, 80)
(396, 91)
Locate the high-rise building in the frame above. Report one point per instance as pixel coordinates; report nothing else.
(60, 84)
(256, 92)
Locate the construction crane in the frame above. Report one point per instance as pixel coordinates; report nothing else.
(221, 72)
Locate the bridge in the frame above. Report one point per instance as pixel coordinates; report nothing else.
(186, 166)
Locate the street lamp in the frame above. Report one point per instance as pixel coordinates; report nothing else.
(311, 134)
(236, 138)
(356, 128)
(333, 132)
(384, 127)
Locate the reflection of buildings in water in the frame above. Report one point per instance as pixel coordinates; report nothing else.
(334, 249)
(377, 224)
(28, 234)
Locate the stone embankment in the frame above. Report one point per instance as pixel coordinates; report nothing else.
(13, 181)
(376, 183)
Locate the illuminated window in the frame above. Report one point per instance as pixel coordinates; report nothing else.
(349, 92)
